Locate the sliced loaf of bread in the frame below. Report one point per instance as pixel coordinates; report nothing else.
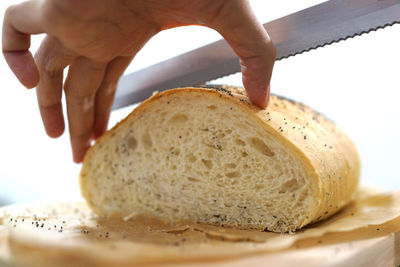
(209, 154)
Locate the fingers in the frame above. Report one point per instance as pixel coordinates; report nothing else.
(20, 22)
(247, 37)
(51, 59)
(105, 93)
(84, 78)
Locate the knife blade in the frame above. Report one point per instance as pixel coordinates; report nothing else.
(308, 29)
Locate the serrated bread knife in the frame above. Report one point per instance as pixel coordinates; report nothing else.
(314, 27)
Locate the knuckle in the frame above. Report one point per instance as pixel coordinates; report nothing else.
(219, 11)
(52, 14)
(48, 104)
(85, 101)
(9, 12)
(48, 11)
(46, 63)
(109, 89)
(265, 51)
(49, 69)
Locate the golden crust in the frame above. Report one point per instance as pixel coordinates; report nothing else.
(324, 149)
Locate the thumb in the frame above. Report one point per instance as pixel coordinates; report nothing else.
(247, 37)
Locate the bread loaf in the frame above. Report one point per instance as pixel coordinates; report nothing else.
(208, 154)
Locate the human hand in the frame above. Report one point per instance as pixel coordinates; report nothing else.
(97, 39)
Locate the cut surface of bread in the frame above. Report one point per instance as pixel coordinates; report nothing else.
(210, 155)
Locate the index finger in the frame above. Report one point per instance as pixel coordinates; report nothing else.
(20, 21)
(236, 22)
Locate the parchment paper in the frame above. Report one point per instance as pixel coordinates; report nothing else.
(69, 234)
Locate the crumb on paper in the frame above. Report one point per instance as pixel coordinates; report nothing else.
(128, 217)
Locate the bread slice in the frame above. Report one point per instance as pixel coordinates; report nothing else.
(209, 154)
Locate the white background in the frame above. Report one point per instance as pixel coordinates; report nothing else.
(356, 83)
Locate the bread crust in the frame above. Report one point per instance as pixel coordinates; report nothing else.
(325, 150)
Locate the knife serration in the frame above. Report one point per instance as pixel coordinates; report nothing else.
(330, 22)
(308, 29)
